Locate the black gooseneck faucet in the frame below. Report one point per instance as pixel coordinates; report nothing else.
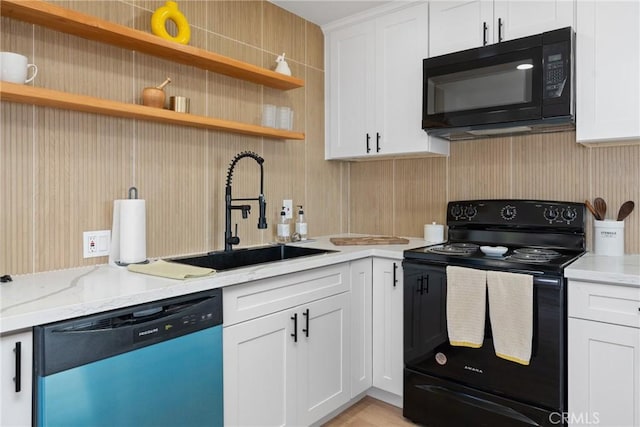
(229, 238)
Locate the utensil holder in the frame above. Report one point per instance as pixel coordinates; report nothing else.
(608, 237)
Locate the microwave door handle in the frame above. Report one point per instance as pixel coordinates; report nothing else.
(484, 33)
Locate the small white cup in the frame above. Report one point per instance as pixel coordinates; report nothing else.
(269, 115)
(284, 118)
(15, 67)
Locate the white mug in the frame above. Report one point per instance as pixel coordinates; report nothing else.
(15, 67)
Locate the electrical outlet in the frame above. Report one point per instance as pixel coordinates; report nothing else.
(288, 208)
(96, 243)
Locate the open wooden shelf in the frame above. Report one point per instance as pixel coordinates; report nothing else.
(52, 98)
(89, 27)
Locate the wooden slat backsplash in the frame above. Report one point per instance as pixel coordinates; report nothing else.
(61, 170)
(545, 166)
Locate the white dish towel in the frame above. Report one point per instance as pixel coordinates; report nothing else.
(466, 306)
(511, 314)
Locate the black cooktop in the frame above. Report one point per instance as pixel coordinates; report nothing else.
(510, 261)
(540, 236)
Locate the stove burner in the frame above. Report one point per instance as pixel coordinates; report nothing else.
(459, 249)
(534, 255)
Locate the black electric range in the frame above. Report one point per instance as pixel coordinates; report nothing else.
(446, 385)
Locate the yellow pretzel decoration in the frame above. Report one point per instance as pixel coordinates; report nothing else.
(159, 20)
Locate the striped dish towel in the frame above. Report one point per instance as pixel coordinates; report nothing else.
(466, 306)
(511, 314)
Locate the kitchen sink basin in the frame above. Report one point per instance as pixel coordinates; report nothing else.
(248, 256)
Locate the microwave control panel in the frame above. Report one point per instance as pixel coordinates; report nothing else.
(556, 69)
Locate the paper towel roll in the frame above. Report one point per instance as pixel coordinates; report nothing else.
(434, 233)
(129, 232)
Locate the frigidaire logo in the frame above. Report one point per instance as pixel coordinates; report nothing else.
(472, 369)
(147, 332)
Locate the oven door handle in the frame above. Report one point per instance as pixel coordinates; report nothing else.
(479, 403)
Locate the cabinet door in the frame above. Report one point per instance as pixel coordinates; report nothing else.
(424, 320)
(608, 64)
(387, 325)
(350, 101)
(401, 44)
(525, 18)
(361, 344)
(604, 373)
(323, 358)
(260, 371)
(16, 363)
(458, 25)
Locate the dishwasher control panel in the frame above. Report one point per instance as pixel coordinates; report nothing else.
(201, 316)
(180, 319)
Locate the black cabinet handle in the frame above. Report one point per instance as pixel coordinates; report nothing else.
(306, 329)
(377, 142)
(422, 288)
(295, 327)
(368, 139)
(395, 279)
(484, 33)
(499, 29)
(18, 354)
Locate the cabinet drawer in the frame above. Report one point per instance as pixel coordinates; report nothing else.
(255, 299)
(615, 304)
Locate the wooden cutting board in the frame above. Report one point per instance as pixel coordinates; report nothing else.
(368, 240)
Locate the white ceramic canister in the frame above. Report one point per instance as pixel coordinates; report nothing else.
(608, 237)
(434, 233)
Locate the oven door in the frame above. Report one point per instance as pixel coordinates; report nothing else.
(542, 383)
(481, 87)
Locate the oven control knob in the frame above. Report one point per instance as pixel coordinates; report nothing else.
(569, 214)
(456, 211)
(471, 211)
(508, 212)
(551, 214)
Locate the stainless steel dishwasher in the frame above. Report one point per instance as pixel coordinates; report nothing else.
(156, 364)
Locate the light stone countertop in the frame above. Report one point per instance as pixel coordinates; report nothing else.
(35, 299)
(614, 270)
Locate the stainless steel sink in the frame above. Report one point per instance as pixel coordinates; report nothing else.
(248, 256)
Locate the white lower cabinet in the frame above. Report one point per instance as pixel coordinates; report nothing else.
(376, 325)
(291, 366)
(361, 332)
(16, 367)
(604, 355)
(388, 361)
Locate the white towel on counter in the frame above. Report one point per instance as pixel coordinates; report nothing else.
(466, 306)
(511, 314)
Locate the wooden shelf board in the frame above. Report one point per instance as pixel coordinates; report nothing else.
(25, 94)
(89, 27)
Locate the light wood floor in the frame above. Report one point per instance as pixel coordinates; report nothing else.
(370, 412)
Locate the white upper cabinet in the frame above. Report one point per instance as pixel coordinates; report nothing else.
(460, 25)
(374, 87)
(608, 71)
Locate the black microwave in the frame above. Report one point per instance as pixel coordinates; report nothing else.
(519, 86)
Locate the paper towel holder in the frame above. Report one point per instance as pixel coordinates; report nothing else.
(114, 255)
(133, 193)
